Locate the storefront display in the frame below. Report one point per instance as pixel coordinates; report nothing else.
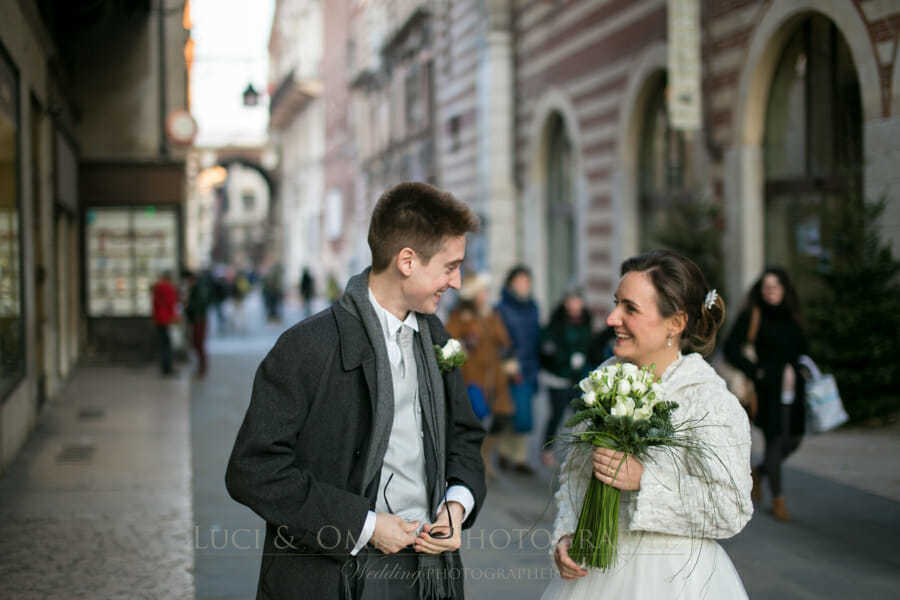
(127, 250)
(12, 338)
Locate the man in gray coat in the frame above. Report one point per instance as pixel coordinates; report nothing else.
(359, 447)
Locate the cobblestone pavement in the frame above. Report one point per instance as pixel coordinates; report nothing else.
(97, 503)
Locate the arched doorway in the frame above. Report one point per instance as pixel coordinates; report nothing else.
(812, 149)
(560, 210)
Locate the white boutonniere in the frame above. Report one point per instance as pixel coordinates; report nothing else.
(450, 356)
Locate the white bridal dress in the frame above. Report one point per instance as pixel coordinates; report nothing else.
(667, 529)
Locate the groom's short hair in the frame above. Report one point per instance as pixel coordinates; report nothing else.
(418, 216)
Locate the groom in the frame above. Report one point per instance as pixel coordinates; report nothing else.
(360, 453)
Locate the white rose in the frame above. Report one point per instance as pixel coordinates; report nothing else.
(643, 413)
(450, 348)
(624, 407)
(624, 388)
(639, 387)
(586, 384)
(589, 398)
(604, 386)
(618, 410)
(656, 389)
(630, 369)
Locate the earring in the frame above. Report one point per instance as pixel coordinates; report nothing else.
(669, 341)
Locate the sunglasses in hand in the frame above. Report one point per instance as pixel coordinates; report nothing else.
(438, 533)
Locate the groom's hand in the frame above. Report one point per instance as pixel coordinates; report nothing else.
(568, 568)
(392, 534)
(428, 544)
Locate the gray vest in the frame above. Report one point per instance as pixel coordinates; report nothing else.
(403, 483)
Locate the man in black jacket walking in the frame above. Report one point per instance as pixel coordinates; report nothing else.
(358, 449)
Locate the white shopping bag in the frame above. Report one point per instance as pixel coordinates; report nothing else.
(176, 336)
(824, 410)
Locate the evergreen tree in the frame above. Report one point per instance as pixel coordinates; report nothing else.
(693, 227)
(854, 325)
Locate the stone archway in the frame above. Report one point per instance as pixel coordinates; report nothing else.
(533, 234)
(744, 180)
(648, 65)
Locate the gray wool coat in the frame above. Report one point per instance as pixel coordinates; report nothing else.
(298, 459)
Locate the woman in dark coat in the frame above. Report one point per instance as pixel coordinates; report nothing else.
(779, 342)
(566, 344)
(519, 312)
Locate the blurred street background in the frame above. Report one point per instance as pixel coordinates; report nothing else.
(182, 180)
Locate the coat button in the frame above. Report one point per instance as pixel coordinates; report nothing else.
(356, 453)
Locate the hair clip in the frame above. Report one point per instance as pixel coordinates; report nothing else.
(710, 299)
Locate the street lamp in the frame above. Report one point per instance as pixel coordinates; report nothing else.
(251, 96)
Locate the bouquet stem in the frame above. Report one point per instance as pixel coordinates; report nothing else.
(597, 533)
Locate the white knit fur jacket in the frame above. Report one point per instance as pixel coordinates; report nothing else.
(678, 500)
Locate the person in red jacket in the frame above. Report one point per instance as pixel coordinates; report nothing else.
(165, 297)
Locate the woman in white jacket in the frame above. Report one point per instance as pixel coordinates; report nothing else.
(672, 507)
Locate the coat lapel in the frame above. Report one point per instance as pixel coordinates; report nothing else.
(356, 349)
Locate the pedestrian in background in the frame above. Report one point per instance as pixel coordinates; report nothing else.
(200, 295)
(273, 291)
(565, 355)
(519, 312)
(165, 300)
(307, 291)
(219, 295)
(240, 287)
(771, 322)
(481, 332)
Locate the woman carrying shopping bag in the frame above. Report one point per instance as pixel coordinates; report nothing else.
(778, 344)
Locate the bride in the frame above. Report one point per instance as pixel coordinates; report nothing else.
(669, 514)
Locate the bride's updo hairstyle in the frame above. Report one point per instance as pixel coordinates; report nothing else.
(681, 287)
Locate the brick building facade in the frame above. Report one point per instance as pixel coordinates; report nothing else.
(562, 123)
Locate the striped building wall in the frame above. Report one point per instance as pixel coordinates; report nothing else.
(574, 58)
(503, 68)
(459, 33)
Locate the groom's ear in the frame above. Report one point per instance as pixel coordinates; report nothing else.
(404, 261)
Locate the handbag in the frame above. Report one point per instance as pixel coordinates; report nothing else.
(478, 401)
(824, 409)
(738, 383)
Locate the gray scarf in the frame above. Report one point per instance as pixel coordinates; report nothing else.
(434, 582)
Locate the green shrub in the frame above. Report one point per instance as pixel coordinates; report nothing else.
(854, 324)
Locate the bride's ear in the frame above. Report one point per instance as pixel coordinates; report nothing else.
(677, 323)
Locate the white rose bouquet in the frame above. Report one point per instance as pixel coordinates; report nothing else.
(623, 409)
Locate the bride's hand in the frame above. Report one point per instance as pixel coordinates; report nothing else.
(609, 468)
(568, 568)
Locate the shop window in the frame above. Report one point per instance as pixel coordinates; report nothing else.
(12, 321)
(127, 250)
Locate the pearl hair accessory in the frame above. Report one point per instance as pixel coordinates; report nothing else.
(710, 299)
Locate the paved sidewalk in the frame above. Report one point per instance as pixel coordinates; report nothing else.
(858, 456)
(97, 504)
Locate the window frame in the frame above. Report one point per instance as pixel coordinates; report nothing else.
(8, 385)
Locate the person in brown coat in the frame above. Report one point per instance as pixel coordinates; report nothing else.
(481, 332)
